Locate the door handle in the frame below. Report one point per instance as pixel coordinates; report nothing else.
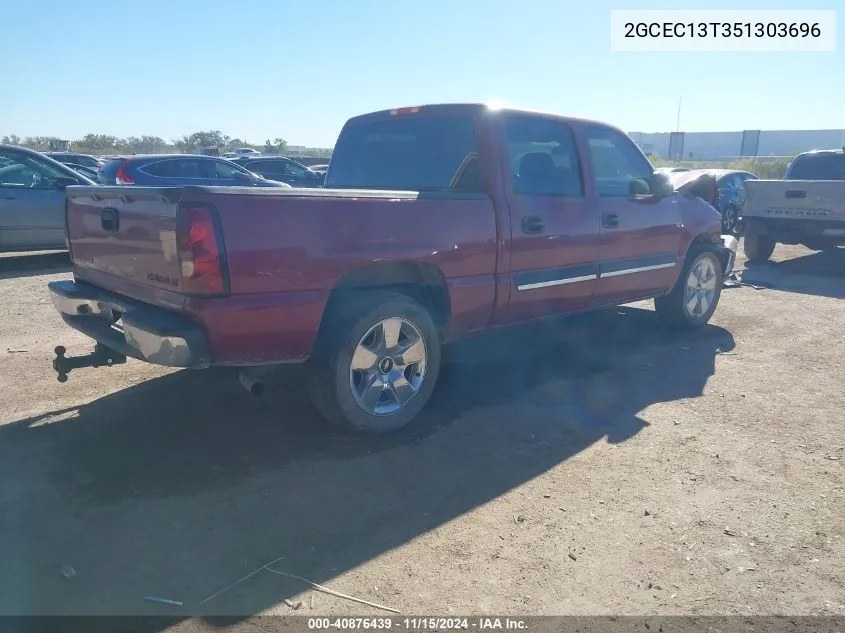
(795, 194)
(7, 197)
(610, 220)
(110, 220)
(532, 224)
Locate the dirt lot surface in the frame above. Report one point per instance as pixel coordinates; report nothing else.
(586, 466)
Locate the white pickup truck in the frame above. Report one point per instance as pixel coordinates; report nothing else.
(806, 207)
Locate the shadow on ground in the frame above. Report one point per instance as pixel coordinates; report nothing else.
(32, 264)
(181, 485)
(819, 273)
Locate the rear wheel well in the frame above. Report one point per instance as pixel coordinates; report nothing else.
(421, 282)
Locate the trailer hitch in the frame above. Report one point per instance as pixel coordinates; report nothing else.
(102, 356)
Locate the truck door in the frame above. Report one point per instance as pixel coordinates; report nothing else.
(641, 234)
(554, 226)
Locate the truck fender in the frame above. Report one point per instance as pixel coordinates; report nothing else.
(422, 281)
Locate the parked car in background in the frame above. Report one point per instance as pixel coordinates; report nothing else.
(671, 170)
(246, 151)
(88, 172)
(167, 170)
(729, 194)
(32, 199)
(282, 169)
(806, 207)
(436, 222)
(75, 158)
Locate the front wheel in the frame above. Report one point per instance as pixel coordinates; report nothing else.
(374, 368)
(696, 294)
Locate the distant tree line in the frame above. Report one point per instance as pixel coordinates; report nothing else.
(101, 144)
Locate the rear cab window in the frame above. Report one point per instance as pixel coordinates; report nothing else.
(821, 166)
(411, 152)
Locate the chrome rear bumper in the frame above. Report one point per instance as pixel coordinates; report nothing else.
(132, 328)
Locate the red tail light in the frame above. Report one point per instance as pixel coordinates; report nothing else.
(201, 252)
(120, 178)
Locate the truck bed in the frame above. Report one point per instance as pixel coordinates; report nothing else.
(283, 252)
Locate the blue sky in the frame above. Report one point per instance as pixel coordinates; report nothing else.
(299, 69)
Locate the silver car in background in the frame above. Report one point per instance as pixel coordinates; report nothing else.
(32, 199)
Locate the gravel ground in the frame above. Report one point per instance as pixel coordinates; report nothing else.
(586, 466)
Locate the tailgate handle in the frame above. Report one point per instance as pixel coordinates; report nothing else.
(110, 220)
(796, 194)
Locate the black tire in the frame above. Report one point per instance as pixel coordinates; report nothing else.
(672, 308)
(757, 245)
(328, 370)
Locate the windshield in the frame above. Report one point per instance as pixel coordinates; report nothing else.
(822, 166)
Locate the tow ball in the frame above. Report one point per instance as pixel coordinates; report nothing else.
(102, 356)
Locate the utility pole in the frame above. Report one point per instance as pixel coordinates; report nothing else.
(678, 122)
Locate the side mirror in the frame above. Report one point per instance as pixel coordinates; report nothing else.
(661, 185)
(65, 181)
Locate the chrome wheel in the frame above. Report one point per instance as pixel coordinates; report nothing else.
(700, 289)
(388, 366)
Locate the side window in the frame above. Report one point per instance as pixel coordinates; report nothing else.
(21, 171)
(161, 169)
(188, 168)
(293, 169)
(224, 170)
(265, 167)
(620, 169)
(543, 158)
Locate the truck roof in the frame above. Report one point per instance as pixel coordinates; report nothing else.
(840, 150)
(472, 108)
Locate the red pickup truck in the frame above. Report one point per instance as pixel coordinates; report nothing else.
(435, 222)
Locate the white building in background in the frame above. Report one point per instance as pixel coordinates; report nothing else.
(717, 146)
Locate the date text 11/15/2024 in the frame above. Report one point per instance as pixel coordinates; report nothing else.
(418, 623)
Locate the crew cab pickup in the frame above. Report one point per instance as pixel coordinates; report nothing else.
(806, 207)
(436, 222)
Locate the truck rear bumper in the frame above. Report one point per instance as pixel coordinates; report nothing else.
(798, 231)
(131, 328)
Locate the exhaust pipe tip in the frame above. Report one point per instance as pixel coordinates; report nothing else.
(252, 385)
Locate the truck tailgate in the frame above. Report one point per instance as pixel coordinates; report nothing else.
(821, 200)
(124, 239)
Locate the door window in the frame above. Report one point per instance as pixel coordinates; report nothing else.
(292, 169)
(272, 169)
(543, 158)
(161, 169)
(619, 167)
(22, 171)
(225, 170)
